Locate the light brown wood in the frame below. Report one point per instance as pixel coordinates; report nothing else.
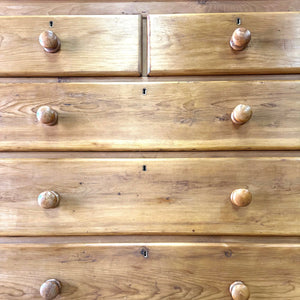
(99, 7)
(198, 44)
(150, 196)
(152, 154)
(169, 116)
(239, 291)
(179, 271)
(50, 289)
(49, 41)
(118, 79)
(90, 45)
(46, 115)
(148, 239)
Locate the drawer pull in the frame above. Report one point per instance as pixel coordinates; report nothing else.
(240, 39)
(46, 115)
(239, 291)
(49, 41)
(50, 289)
(48, 199)
(241, 197)
(241, 114)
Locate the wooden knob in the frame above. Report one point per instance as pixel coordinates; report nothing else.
(46, 115)
(49, 41)
(239, 291)
(240, 39)
(241, 114)
(50, 289)
(48, 199)
(241, 197)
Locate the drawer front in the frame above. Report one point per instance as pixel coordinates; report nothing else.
(90, 45)
(151, 116)
(139, 196)
(199, 44)
(167, 270)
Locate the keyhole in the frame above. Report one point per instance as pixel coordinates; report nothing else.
(144, 91)
(51, 23)
(238, 21)
(144, 252)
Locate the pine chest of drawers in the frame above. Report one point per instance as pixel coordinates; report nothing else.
(149, 150)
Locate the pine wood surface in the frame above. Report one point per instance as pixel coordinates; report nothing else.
(179, 197)
(166, 116)
(150, 196)
(118, 79)
(148, 239)
(198, 44)
(147, 154)
(167, 270)
(90, 45)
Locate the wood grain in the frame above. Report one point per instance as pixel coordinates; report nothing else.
(198, 44)
(100, 7)
(147, 154)
(90, 45)
(182, 271)
(116, 79)
(148, 239)
(150, 196)
(169, 116)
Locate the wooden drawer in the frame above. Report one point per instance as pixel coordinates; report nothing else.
(167, 270)
(194, 44)
(150, 116)
(140, 196)
(90, 45)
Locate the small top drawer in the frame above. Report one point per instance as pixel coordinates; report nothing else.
(87, 45)
(198, 44)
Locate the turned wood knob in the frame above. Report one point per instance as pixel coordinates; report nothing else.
(48, 199)
(46, 115)
(239, 291)
(49, 41)
(241, 197)
(240, 39)
(50, 289)
(241, 114)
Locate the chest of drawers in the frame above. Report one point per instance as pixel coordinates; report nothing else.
(142, 157)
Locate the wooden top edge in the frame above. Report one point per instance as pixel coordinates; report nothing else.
(147, 154)
(224, 13)
(145, 79)
(133, 82)
(138, 15)
(168, 159)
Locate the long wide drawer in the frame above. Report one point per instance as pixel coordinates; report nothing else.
(191, 196)
(150, 116)
(195, 44)
(90, 45)
(168, 270)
